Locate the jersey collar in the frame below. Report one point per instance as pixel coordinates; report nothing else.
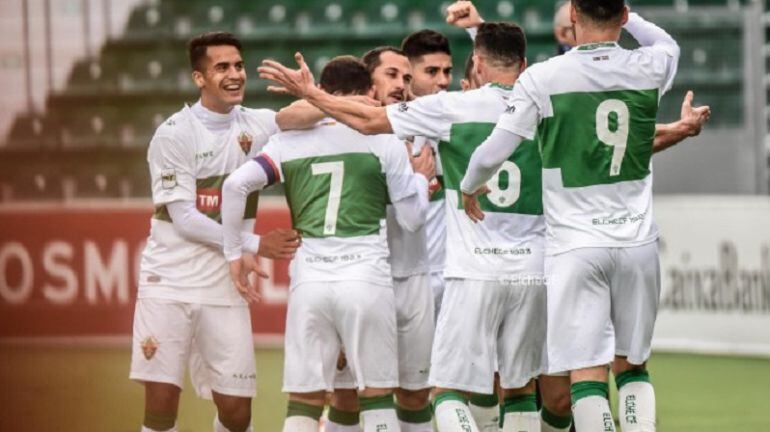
(596, 46)
(501, 86)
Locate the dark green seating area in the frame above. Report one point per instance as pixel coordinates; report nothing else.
(91, 140)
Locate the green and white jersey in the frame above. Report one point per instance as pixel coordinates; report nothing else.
(509, 242)
(338, 184)
(190, 163)
(593, 111)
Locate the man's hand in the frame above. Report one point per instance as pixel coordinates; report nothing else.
(463, 14)
(298, 82)
(693, 119)
(471, 204)
(279, 244)
(240, 272)
(424, 163)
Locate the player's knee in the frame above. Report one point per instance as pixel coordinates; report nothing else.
(161, 397)
(621, 364)
(234, 412)
(557, 398)
(345, 400)
(375, 392)
(412, 399)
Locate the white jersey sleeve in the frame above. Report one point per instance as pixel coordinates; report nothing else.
(421, 117)
(524, 111)
(265, 118)
(270, 159)
(659, 46)
(172, 169)
(397, 169)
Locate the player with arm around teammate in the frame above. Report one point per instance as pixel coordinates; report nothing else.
(597, 143)
(338, 184)
(185, 296)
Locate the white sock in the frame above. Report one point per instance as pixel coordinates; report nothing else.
(300, 424)
(487, 418)
(592, 414)
(521, 422)
(453, 415)
(380, 420)
(416, 427)
(336, 427)
(636, 407)
(146, 429)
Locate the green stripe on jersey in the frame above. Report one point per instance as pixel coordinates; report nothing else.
(209, 200)
(341, 195)
(600, 137)
(517, 187)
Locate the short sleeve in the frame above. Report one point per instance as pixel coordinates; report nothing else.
(265, 118)
(425, 116)
(270, 159)
(172, 169)
(523, 114)
(397, 168)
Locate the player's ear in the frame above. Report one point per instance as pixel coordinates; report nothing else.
(572, 13)
(198, 79)
(372, 93)
(523, 66)
(624, 19)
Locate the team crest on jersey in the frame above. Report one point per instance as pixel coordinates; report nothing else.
(245, 140)
(403, 107)
(149, 347)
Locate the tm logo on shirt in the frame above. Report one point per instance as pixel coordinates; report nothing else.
(209, 200)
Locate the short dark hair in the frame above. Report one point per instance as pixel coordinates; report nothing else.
(345, 75)
(503, 43)
(372, 58)
(197, 46)
(600, 11)
(425, 42)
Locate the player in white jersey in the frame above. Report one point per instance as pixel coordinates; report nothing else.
(431, 59)
(338, 184)
(494, 271)
(593, 110)
(187, 308)
(412, 256)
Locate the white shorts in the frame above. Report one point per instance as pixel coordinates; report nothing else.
(326, 317)
(486, 325)
(215, 341)
(602, 302)
(414, 321)
(437, 286)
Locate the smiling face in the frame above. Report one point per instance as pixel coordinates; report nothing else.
(432, 73)
(222, 80)
(391, 78)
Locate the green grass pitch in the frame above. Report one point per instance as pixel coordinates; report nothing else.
(67, 389)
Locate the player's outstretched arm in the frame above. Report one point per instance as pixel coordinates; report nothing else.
(689, 125)
(303, 115)
(649, 34)
(299, 115)
(484, 163)
(361, 117)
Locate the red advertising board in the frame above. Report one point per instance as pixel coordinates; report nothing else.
(71, 270)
